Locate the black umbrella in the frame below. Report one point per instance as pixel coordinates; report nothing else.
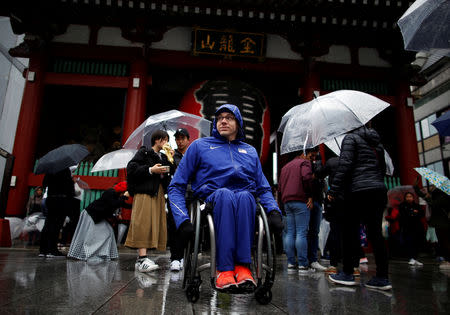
(61, 158)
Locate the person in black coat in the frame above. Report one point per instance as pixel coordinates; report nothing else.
(411, 215)
(59, 196)
(360, 178)
(94, 236)
(148, 175)
(175, 240)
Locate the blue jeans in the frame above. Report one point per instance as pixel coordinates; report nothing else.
(313, 233)
(297, 222)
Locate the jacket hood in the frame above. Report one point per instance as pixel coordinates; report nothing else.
(369, 135)
(235, 111)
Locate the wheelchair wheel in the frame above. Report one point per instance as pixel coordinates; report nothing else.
(263, 295)
(191, 279)
(192, 293)
(264, 259)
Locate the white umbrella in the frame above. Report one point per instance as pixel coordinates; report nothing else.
(169, 121)
(327, 117)
(426, 25)
(336, 144)
(114, 160)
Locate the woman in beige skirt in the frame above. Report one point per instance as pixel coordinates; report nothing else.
(148, 175)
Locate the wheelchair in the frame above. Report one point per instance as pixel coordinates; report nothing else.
(263, 254)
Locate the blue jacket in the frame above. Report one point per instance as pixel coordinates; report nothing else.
(214, 162)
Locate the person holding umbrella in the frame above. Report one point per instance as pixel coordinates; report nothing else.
(147, 178)
(439, 202)
(360, 177)
(60, 192)
(59, 199)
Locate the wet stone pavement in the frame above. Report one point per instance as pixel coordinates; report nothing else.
(33, 285)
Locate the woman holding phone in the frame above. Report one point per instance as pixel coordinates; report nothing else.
(148, 175)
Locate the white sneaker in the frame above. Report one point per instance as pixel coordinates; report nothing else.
(303, 269)
(144, 280)
(412, 262)
(318, 267)
(445, 265)
(418, 263)
(176, 265)
(145, 265)
(363, 260)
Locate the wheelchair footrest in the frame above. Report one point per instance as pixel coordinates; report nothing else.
(245, 288)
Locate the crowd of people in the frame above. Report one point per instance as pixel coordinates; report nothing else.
(225, 173)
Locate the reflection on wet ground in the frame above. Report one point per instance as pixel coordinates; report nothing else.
(33, 285)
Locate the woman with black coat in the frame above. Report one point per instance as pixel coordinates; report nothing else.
(94, 237)
(148, 175)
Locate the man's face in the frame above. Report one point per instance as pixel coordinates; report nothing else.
(182, 142)
(310, 156)
(160, 143)
(227, 125)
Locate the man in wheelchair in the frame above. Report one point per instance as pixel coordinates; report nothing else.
(226, 173)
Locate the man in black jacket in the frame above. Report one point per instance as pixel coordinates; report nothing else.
(176, 243)
(360, 177)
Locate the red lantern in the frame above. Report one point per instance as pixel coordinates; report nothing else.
(204, 98)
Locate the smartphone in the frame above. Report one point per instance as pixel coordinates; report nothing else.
(166, 169)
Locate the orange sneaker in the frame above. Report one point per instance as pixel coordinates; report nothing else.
(243, 274)
(225, 279)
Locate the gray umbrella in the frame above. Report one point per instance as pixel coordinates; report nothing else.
(61, 158)
(426, 25)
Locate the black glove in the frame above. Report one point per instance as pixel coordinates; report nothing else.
(186, 230)
(275, 222)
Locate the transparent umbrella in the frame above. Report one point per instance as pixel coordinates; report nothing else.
(171, 120)
(327, 117)
(426, 25)
(336, 144)
(114, 160)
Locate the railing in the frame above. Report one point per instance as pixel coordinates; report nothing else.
(391, 182)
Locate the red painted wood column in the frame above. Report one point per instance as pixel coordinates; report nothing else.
(406, 135)
(312, 83)
(136, 100)
(26, 136)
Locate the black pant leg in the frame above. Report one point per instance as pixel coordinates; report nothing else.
(443, 235)
(176, 244)
(350, 237)
(335, 242)
(372, 217)
(57, 209)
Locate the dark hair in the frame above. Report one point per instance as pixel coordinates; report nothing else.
(408, 193)
(158, 135)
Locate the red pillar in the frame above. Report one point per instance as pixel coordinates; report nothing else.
(136, 101)
(312, 83)
(26, 137)
(406, 136)
(136, 98)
